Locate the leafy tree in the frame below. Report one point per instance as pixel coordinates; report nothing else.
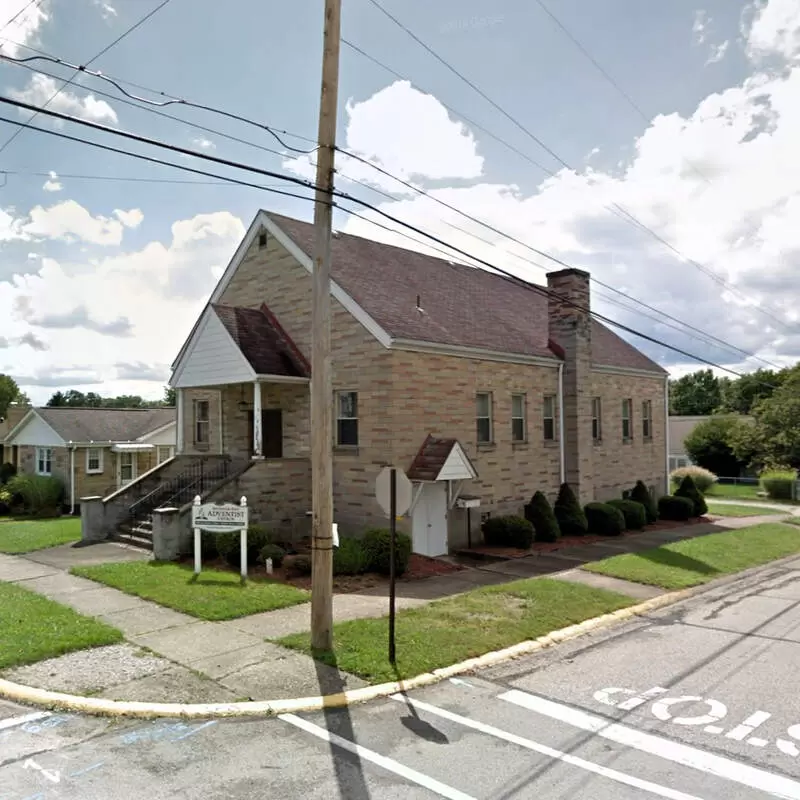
(741, 396)
(170, 396)
(711, 445)
(696, 394)
(9, 393)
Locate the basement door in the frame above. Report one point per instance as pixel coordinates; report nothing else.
(429, 520)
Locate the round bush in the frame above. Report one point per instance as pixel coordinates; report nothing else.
(509, 531)
(641, 494)
(7, 472)
(275, 552)
(540, 514)
(349, 558)
(778, 484)
(377, 544)
(604, 519)
(689, 490)
(677, 509)
(571, 517)
(703, 479)
(297, 565)
(633, 512)
(230, 548)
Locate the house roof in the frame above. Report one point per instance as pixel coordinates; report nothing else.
(432, 457)
(105, 424)
(265, 345)
(462, 306)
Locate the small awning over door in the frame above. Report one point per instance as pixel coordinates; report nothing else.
(442, 460)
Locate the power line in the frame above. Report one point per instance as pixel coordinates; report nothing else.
(514, 278)
(108, 47)
(630, 217)
(121, 178)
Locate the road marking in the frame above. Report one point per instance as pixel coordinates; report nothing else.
(661, 710)
(658, 746)
(51, 775)
(87, 769)
(742, 731)
(558, 755)
(713, 729)
(442, 789)
(12, 722)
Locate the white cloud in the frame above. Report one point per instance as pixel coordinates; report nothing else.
(203, 143)
(52, 184)
(774, 30)
(28, 20)
(41, 88)
(153, 294)
(718, 52)
(107, 11)
(700, 26)
(70, 221)
(10, 227)
(383, 130)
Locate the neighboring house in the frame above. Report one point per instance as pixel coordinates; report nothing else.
(482, 390)
(93, 450)
(14, 413)
(679, 429)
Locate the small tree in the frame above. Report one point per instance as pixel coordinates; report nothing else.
(689, 490)
(540, 514)
(571, 517)
(641, 494)
(711, 445)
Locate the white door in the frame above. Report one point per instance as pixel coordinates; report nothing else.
(429, 521)
(126, 468)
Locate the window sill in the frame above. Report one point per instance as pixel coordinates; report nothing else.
(520, 445)
(627, 441)
(94, 472)
(597, 442)
(551, 442)
(346, 449)
(204, 446)
(486, 445)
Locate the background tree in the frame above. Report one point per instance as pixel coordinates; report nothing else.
(10, 393)
(170, 397)
(740, 396)
(710, 445)
(696, 394)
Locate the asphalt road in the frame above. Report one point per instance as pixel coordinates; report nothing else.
(700, 700)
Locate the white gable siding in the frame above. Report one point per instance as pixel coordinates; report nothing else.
(168, 436)
(213, 358)
(457, 467)
(36, 432)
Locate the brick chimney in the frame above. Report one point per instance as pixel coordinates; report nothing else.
(570, 328)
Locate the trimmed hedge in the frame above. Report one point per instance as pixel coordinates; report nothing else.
(377, 543)
(275, 552)
(634, 513)
(229, 545)
(540, 514)
(571, 517)
(689, 490)
(641, 494)
(677, 509)
(604, 519)
(778, 484)
(509, 531)
(349, 558)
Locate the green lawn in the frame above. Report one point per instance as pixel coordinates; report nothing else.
(215, 595)
(34, 628)
(25, 536)
(469, 625)
(695, 561)
(734, 491)
(725, 510)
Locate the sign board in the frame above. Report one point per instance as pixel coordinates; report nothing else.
(403, 491)
(219, 517)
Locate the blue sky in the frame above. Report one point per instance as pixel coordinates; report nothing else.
(105, 277)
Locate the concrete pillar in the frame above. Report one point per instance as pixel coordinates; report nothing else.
(258, 433)
(93, 522)
(166, 534)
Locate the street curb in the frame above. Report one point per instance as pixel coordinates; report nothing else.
(118, 708)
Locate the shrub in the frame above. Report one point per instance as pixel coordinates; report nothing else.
(540, 514)
(377, 543)
(641, 494)
(209, 547)
(703, 479)
(571, 517)
(349, 558)
(678, 509)
(779, 484)
(275, 552)
(604, 519)
(7, 472)
(297, 565)
(634, 513)
(41, 495)
(689, 490)
(230, 548)
(508, 532)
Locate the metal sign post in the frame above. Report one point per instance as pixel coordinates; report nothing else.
(219, 518)
(392, 559)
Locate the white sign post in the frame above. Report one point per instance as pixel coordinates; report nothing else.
(219, 518)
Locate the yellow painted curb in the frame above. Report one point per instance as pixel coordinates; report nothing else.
(264, 708)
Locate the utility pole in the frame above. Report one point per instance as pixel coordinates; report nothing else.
(321, 388)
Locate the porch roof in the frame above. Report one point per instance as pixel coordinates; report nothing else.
(440, 460)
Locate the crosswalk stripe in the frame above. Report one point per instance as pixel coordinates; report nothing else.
(389, 764)
(575, 761)
(678, 753)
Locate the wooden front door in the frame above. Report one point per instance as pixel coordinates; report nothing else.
(271, 431)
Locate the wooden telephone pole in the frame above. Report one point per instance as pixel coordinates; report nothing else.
(321, 388)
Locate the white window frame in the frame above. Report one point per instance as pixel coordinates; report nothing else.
(170, 452)
(352, 418)
(647, 419)
(522, 418)
(551, 416)
(627, 417)
(44, 456)
(489, 416)
(597, 419)
(198, 421)
(133, 457)
(98, 470)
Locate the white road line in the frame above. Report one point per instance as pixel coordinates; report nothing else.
(13, 722)
(442, 789)
(726, 768)
(528, 744)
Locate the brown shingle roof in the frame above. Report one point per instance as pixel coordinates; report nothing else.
(264, 344)
(105, 424)
(462, 305)
(430, 459)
